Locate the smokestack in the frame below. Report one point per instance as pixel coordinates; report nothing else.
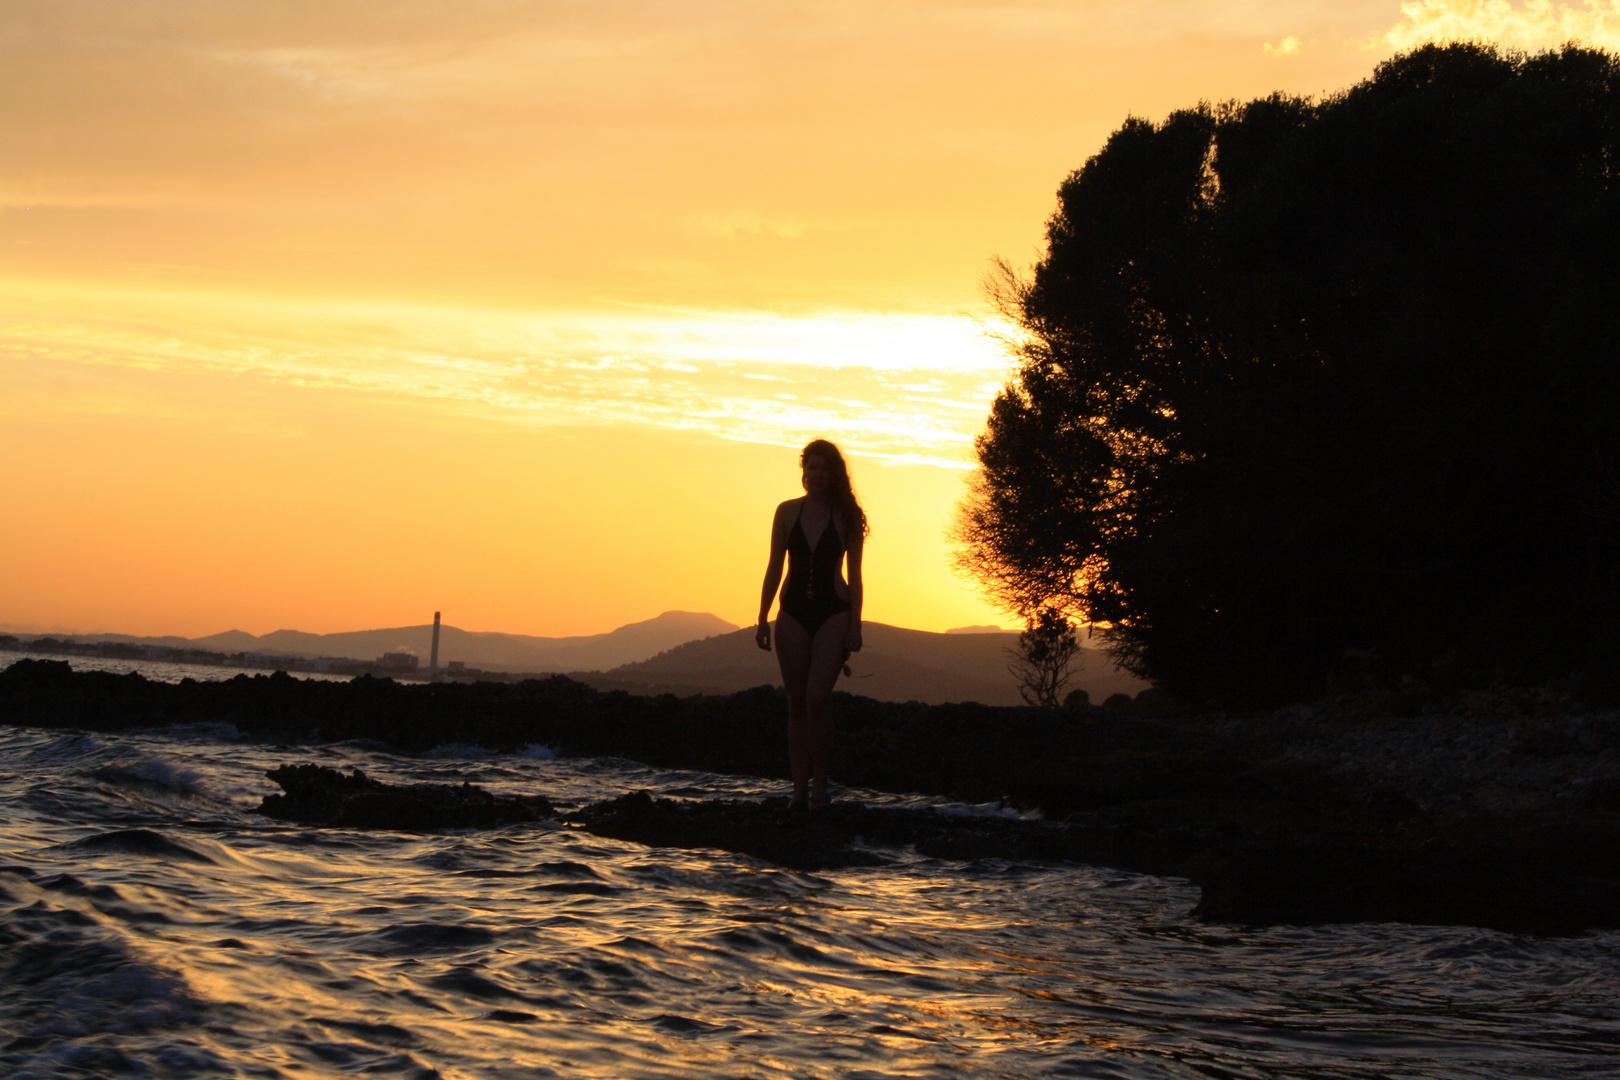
(433, 662)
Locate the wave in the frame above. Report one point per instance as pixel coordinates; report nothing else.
(143, 842)
(68, 979)
(66, 749)
(152, 774)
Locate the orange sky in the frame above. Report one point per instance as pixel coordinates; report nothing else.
(328, 315)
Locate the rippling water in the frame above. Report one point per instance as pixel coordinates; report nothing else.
(152, 925)
(160, 671)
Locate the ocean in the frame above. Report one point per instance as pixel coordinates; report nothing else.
(153, 925)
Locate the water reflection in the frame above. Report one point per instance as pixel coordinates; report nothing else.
(160, 926)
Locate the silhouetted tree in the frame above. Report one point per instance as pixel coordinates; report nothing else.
(1296, 376)
(1044, 660)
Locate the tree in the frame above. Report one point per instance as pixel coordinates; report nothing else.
(1298, 376)
(1044, 661)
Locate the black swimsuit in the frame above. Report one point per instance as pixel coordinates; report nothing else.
(811, 593)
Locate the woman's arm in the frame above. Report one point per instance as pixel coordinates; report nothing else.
(773, 578)
(857, 591)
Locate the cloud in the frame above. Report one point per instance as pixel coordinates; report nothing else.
(1288, 46)
(744, 223)
(738, 376)
(1537, 25)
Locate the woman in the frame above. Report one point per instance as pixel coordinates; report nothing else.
(819, 623)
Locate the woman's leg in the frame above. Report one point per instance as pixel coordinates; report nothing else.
(826, 661)
(810, 668)
(793, 645)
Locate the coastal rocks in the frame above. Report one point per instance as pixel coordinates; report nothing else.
(1276, 849)
(1274, 857)
(1505, 814)
(317, 795)
(840, 836)
(1551, 877)
(767, 833)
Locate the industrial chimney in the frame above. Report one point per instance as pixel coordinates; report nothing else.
(433, 661)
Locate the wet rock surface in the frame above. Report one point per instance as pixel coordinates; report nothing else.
(317, 795)
(841, 835)
(1504, 812)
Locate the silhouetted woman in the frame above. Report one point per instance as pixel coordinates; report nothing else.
(819, 623)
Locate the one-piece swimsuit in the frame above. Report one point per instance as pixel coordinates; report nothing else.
(811, 593)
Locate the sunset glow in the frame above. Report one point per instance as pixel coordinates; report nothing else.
(330, 316)
(1533, 26)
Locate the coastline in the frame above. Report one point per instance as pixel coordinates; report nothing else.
(1505, 814)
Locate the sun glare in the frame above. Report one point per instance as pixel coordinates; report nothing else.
(1537, 25)
(911, 387)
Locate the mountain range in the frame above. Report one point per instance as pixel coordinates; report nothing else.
(487, 650)
(895, 664)
(686, 652)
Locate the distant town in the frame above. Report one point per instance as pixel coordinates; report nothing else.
(394, 665)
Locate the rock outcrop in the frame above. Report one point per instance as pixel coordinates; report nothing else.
(1507, 818)
(317, 795)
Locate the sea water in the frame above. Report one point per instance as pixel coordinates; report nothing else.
(164, 671)
(152, 924)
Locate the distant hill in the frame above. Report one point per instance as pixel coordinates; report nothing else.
(685, 652)
(229, 641)
(486, 650)
(895, 665)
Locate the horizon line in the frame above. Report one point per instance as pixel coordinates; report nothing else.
(36, 631)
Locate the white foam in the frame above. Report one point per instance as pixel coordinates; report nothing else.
(163, 774)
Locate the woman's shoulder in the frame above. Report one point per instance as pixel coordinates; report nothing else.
(789, 506)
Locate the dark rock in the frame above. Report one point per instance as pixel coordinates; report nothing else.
(317, 795)
(1545, 742)
(1602, 796)
(1545, 878)
(837, 836)
(768, 832)
(31, 673)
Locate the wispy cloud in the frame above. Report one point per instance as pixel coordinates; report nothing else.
(897, 386)
(729, 226)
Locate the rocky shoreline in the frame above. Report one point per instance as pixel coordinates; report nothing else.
(1502, 812)
(1504, 752)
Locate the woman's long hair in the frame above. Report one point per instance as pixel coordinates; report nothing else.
(842, 493)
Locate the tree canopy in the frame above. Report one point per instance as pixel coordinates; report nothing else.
(1300, 376)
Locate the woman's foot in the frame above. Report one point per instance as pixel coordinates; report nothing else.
(820, 802)
(798, 804)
